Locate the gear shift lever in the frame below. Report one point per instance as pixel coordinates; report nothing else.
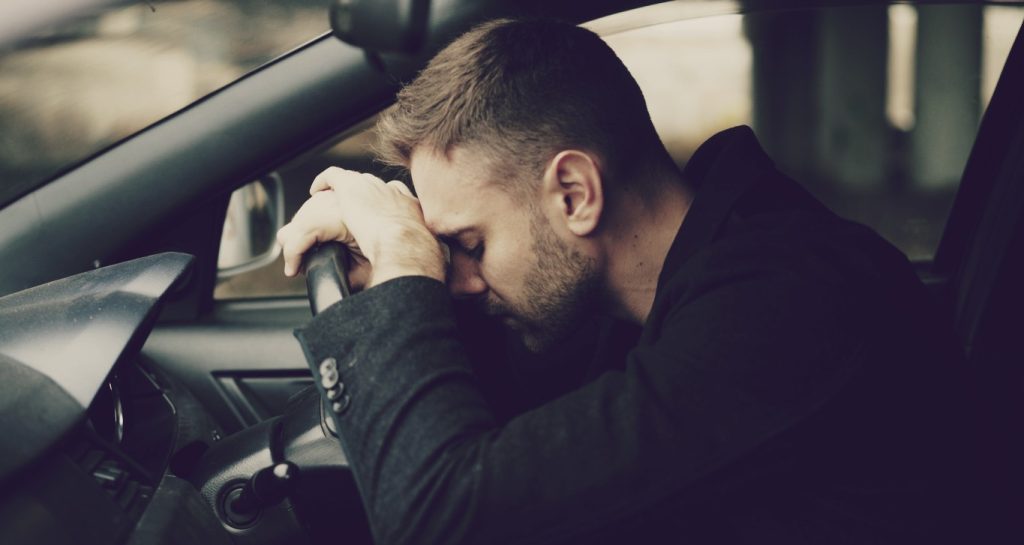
(266, 487)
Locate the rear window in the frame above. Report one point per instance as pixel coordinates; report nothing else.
(873, 109)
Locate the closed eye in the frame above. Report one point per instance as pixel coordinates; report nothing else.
(476, 252)
(463, 243)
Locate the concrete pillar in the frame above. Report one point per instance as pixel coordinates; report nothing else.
(852, 130)
(947, 93)
(784, 86)
(819, 93)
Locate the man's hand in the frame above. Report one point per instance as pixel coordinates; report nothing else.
(380, 223)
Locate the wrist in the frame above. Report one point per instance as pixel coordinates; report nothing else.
(407, 252)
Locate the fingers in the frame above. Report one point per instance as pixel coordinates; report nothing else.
(320, 183)
(335, 178)
(381, 220)
(293, 247)
(331, 178)
(401, 188)
(316, 221)
(338, 179)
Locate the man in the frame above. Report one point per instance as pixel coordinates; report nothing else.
(787, 386)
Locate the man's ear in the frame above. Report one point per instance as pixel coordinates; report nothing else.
(573, 189)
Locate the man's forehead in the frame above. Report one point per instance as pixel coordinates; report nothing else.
(461, 166)
(449, 222)
(454, 189)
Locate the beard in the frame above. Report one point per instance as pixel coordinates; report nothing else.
(559, 293)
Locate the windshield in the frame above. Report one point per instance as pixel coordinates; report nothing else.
(77, 88)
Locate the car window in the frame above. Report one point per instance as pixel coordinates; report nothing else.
(352, 150)
(873, 109)
(78, 88)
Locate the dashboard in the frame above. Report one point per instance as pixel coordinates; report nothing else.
(92, 435)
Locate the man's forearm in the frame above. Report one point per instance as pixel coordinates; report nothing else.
(401, 323)
(430, 459)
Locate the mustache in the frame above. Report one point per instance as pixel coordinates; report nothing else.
(491, 307)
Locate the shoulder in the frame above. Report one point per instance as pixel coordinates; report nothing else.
(791, 253)
(787, 286)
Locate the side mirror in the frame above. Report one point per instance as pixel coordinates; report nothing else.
(381, 26)
(249, 239)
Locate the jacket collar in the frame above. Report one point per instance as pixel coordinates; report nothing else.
(721, 170)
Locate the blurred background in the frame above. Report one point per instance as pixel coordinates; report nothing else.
(874, 109)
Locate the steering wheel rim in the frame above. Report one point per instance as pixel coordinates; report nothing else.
(326, 275)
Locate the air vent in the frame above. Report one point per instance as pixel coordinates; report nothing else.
(129, 490)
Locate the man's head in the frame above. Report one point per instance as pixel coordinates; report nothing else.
(519, 92)
(516, 135)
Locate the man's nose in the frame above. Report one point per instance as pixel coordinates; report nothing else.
(464, 278)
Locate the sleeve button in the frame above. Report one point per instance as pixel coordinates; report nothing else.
(329, 379)
(334, 393)
(341, 405)
(328, 365)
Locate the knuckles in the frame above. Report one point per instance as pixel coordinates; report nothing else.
(342, 204)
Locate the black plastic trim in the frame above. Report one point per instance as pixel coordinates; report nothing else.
(1003, 118)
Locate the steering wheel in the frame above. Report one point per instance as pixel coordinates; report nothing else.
(246, 493)
(326, 275)
(327, 283)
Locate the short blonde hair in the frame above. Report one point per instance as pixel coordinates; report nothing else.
(522, 90)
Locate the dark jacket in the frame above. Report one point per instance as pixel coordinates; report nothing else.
(791, 385)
